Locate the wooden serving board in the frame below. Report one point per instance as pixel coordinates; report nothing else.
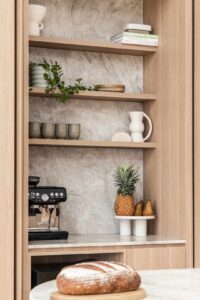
(134, 295)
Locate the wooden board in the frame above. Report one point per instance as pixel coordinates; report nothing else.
(168, 170)
(89, 46)
(197, 135)
(98, 95)
(134, 295)
(90, 144)
(7, 147)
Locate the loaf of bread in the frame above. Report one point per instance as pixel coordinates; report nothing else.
(99, 277)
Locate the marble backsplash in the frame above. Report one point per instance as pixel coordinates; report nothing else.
(88, 173)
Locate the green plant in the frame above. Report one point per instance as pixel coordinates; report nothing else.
(56, 86)
(126, 179)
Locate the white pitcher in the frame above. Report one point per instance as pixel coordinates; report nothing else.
(137, 126)
(36, 16)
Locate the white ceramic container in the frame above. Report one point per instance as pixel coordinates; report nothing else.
(137, 126)
(36, 16)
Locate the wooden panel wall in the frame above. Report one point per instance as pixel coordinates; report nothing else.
(168, 169)
(197, 133)
(156, 257)
(7, 119)
(23, 272)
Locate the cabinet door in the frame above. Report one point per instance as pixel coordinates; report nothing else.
(156, 257)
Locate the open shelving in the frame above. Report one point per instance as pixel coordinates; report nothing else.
(90, 144)
(89, 46)
(167, 165)
(97, 95)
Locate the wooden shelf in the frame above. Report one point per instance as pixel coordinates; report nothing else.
(103, 96)
(89, 46)
(90, 144)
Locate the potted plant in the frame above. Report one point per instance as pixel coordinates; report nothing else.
(49, 76)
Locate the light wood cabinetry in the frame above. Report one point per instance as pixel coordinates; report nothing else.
(167, 160)
(7, 134)
(168, 73)
(196, 133)
(156, 257)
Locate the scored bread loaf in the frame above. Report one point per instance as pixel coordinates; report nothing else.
(98, 277)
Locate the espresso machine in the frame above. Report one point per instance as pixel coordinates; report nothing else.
(44, 211)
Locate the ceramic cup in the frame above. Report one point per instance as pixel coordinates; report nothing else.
(34, 130)
(48, 130)
(74, 131)
(36, 16)
(61, 131)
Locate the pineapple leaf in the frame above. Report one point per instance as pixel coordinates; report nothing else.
(125, 179)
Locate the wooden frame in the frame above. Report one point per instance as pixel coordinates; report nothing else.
(196, 133)
(22, 273)
(171, 162)
(7, 147)
(168, 75)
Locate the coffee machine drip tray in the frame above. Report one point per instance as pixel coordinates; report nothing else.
(47, 235)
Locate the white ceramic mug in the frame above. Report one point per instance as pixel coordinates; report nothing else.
(35, 28)
(36, 16)
(137, 126)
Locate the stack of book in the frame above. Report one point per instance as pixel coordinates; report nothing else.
(137, 34)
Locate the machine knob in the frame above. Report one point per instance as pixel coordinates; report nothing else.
(45, 197)
(61, 194)
(56, 194)
(37, 194)
(52, 194)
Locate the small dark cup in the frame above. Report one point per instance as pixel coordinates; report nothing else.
(74, 131)
(61, 131)
(34, 130)
(48, 130)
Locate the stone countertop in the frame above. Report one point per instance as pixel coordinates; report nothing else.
(96, 240)
(161, 284)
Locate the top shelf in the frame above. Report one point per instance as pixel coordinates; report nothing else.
(89, 46)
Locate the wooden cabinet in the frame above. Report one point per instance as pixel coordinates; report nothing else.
(167, 160)
(156, 257)
(7, 140)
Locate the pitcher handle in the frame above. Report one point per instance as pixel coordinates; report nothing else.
(41, 26)
(150, 127)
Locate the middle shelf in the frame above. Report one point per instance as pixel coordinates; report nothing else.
(90, 144)
(96, 95)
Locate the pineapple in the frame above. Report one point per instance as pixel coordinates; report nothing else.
(125, 179)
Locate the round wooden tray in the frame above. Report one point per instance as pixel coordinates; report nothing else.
(134, 295)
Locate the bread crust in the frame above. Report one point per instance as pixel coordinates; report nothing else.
(97, 278)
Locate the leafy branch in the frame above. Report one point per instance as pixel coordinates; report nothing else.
(53, 74)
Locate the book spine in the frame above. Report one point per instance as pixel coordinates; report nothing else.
(133, 34)
(137, 41)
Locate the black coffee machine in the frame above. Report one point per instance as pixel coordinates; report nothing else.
(44, 211)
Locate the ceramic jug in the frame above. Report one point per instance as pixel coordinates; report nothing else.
(36, 16)
(137, 126)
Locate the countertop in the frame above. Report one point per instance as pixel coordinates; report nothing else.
(162, 284)
(96, 240)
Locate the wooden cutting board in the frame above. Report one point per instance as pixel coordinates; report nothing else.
(134, 295)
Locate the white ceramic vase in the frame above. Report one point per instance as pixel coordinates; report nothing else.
(36, 16)
(37, 77)
(137, 126)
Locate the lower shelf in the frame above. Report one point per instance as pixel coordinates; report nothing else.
(90, 144)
